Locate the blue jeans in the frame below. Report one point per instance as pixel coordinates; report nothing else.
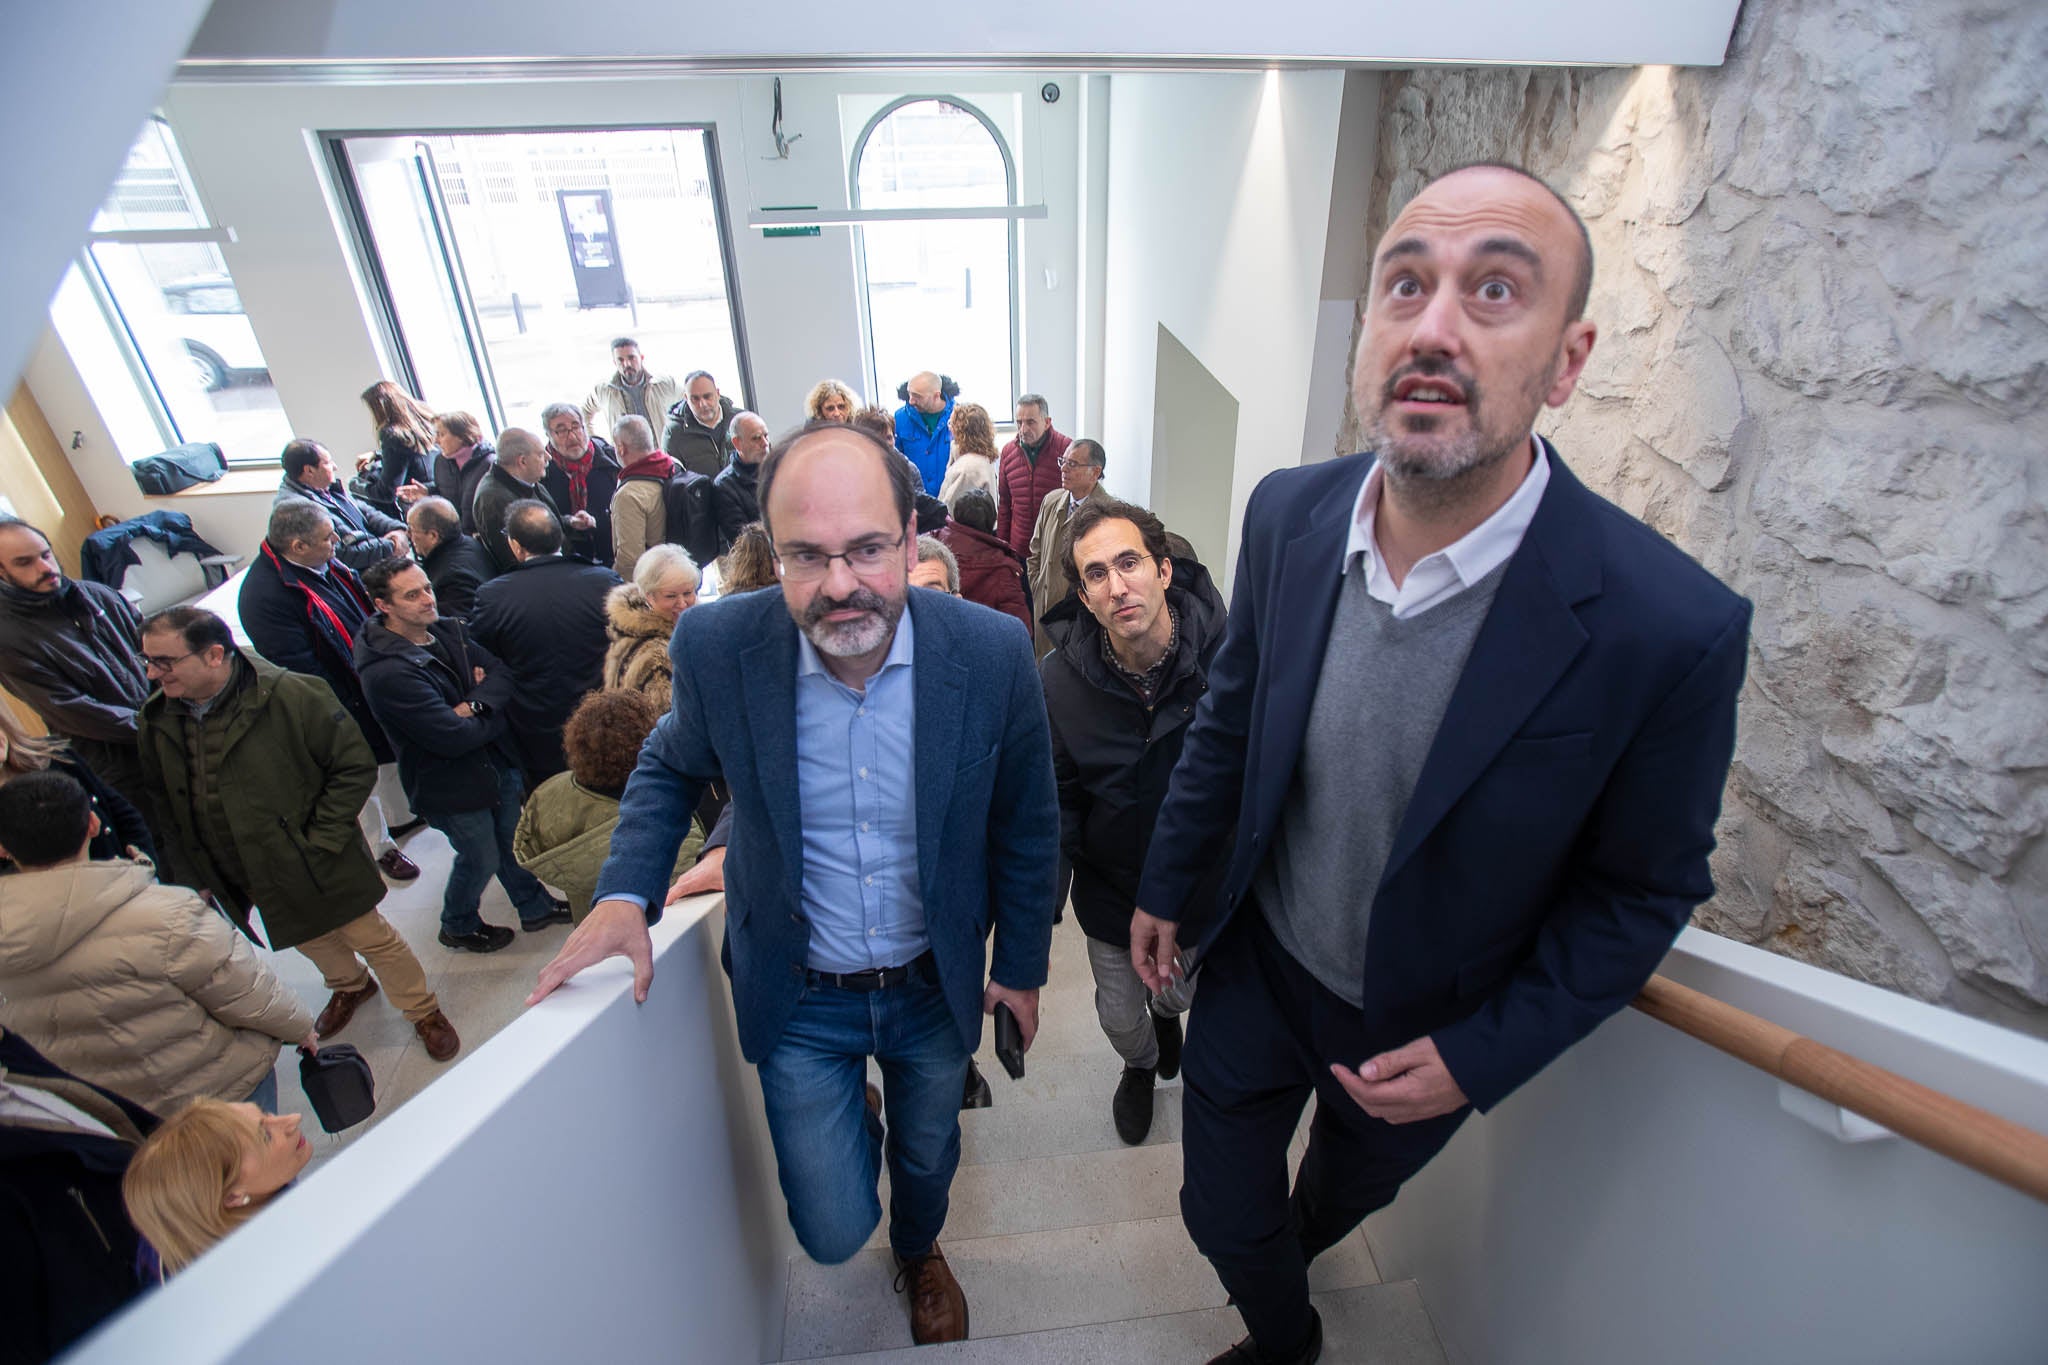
(483, 849)
(828, 1146)
(264, 1096)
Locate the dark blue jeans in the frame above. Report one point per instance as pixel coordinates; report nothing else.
(483, 849)
(828, 1147)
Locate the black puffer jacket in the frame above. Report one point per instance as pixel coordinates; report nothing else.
(1113, 756)
(446, 762)
(75, 656)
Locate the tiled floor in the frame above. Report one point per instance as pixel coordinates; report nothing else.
(480, 993)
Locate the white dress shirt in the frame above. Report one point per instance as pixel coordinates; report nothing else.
(1443, 574)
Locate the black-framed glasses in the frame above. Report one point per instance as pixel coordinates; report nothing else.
(1124, 566)
(1066, 463)
(804, 566)
(164, 663)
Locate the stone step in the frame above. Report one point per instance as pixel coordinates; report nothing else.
(1029, 1282)
(1383, 1324)
(1059, 1108)
(1002, 1199)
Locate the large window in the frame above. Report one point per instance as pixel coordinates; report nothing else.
(510, 260)
(939, 291)
(155, 260)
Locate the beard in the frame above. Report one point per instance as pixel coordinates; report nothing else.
(1422, 455)
(850, 639)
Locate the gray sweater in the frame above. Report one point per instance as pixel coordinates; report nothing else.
(1379, 699)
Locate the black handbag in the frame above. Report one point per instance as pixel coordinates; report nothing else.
(338, 1084)
(180, 467)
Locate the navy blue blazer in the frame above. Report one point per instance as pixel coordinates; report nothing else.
(987, 809)
(1558, 836)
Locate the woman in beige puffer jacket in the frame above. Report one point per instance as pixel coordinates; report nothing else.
(139, 988)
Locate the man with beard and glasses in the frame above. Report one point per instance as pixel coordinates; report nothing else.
(892, 796)
(1470, 724)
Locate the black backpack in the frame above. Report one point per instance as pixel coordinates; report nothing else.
(687, 515)
(178, 468)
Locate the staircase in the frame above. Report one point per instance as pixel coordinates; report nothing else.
(1069, 1244)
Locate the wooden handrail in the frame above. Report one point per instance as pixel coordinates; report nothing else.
(1983, 1141)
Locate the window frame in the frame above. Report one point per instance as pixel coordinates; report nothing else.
(370, 266)
(860, 249)
(122, 332)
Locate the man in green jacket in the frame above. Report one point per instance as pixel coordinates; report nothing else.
(260, 773)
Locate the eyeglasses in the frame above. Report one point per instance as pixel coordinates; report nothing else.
(162, 663)
(1064, 463)
(804, 566)
(1124, 566)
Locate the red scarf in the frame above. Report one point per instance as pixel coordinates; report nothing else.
(655, 466)
(578, 470)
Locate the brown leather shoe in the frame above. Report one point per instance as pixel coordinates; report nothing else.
(397, 866)
(341, 1007)
(938, 1308)
(439, 1036)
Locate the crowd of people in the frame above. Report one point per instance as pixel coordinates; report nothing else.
(1430, 801)
(469, 633)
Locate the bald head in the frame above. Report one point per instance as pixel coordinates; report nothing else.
(926, 392)
(1499, 172)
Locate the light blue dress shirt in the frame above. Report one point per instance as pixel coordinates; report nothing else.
(855, 773)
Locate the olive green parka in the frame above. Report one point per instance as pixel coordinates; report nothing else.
(294, 771)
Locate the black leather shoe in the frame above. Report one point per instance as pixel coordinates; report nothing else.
(1132, 1105)
(412, 826)
(1245, 1353)
(976, 1094)
(1166, 1028)
(488, 939)
(559, 915)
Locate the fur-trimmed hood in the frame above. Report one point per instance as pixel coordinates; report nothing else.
(629, 616)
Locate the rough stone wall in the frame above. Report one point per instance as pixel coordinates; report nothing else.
(1822, 290)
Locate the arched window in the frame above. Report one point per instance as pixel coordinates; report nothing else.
(940, 291)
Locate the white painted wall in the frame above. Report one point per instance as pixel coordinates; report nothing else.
(255, 152)
(1591, 31)
(1646, 1198)
(594, 1183)
(1219, 206)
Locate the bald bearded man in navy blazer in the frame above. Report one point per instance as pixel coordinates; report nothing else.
(1470, 725)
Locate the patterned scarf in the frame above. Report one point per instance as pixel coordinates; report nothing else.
(578, 470)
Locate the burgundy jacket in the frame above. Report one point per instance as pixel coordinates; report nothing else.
(1024, 486)
(991, 573)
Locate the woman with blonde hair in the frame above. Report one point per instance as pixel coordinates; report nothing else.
(641, 615)
(974, 455)
(207, 1170)
(403, 472)
(831, 401)
(750, 563)
(122, 827)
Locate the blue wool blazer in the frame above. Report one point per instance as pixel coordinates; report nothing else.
(1558, 836)
(987, 808)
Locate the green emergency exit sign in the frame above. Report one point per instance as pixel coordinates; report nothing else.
(812, 231)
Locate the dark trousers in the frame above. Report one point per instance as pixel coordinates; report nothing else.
(1262, 1038)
